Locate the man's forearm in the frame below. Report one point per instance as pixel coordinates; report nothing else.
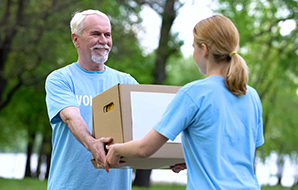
(77, 125)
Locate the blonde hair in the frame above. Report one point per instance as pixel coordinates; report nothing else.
(77, 24)
(221, 37)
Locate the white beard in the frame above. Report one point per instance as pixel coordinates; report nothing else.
(100, 59)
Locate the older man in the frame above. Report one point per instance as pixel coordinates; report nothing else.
(69, 102)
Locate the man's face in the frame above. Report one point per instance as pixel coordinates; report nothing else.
(95, 41)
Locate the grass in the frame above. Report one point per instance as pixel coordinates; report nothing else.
(35, 184)
(162, 187)
(22, 184)
(278, 188)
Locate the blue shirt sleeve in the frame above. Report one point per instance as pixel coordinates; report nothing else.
(59, 95)
(131, 80)
(178, 116)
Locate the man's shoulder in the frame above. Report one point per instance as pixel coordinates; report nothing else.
(114, 71)
(60, 71)
(121, 76)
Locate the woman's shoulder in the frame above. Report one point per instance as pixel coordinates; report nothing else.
(252, 92)
(209, 82)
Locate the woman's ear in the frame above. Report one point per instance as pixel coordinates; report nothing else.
(206, 51)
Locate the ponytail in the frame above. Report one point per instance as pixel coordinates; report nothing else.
(221, 37)
(237, 75)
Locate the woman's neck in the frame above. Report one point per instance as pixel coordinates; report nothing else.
(219, 69)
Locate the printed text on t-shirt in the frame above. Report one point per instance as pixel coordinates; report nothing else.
(86, 100)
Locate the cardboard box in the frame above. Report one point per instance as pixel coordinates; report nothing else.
(128, 112)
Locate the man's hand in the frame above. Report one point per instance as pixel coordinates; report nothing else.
(178, 167)
(98, 150)
(73, 119)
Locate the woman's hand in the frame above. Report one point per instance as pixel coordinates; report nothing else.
(141, 148)
(113, 158)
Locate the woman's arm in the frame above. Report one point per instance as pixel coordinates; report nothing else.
(142, 148)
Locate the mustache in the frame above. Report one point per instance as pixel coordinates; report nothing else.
(101, 46)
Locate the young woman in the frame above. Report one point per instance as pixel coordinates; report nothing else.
(220, 116)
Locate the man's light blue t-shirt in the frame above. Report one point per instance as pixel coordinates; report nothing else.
(220, 134)
(71, 167)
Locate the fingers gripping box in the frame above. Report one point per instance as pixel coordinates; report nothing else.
(128, 112)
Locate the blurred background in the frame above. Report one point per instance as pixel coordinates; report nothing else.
(152, 40)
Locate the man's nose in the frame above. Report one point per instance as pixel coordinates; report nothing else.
(102, 39)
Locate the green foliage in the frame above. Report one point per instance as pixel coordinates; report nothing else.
(43, 43)
(271, 58)
(25, 113)
(181, 71)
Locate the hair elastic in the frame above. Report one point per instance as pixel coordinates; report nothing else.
(232, 53)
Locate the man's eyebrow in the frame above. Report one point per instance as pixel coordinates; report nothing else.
(96, 31)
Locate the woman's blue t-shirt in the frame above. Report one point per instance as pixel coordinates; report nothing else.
(220, 133)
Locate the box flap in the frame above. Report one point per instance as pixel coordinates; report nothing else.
(107, 111)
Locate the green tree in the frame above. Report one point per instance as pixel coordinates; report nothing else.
(35, 40)
(271, 57)
(168, 45)
(182, 70)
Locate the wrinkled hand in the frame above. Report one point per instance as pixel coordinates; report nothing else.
(178, 167)
(98, 150)
(113, 160)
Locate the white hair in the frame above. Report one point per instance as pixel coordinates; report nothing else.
(77, 24)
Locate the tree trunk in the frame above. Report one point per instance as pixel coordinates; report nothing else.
(30, 144)
(44, 155)
(163, 50)
(9, 34)
(39, 160)
(159, 73)
(47, 152)
(280, 168)
(142, 178)
(48, 165)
